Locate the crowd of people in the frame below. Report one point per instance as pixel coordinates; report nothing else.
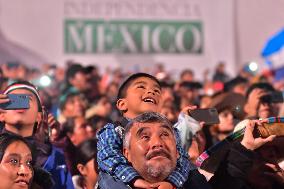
(88, 129)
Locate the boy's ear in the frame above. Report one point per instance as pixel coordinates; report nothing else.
(121, 104)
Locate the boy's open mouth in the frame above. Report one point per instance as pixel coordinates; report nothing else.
(149, 99)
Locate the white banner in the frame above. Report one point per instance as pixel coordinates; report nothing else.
(132, 34)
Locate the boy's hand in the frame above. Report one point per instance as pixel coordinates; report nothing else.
(249, 141)
(140, 183)
(54, 126)
(162, 185)
(3, 99)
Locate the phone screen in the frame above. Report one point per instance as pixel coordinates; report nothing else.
(17, 101)
(209, 115)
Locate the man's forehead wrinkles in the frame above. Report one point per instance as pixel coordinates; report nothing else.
(140, 128)
(167, 127)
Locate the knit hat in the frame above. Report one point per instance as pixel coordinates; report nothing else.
(25, 85)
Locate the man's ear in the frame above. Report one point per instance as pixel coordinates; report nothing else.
(121, 104)
(81, 169)
(126, 154)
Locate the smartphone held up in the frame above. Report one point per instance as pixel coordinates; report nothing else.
(208, 115)
(16, 102)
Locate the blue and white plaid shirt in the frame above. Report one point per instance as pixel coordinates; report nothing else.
(112, 161)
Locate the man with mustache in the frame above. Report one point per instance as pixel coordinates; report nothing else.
(149, 144)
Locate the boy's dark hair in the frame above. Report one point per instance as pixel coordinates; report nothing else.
(124, 86)
(265, 86)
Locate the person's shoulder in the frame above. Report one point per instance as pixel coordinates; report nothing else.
(107, 181)
(196, 180)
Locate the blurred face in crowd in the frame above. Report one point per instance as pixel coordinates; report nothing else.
(80, 132)
(23, 117)
(226, 121)
(142, 95)
(103, 107)
(80, 81)
(265, 172)
(151, 150)
(188, 76)
(205, 101)
(169, 112)
(111, 91)
(88, 171)
(268, 109)
(259, 106)
(188, 96)
(16, 170)
(167, 96)
(241, 88)
(75, 106)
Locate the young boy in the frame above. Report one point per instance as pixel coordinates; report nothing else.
(140, 93)
(27, 123)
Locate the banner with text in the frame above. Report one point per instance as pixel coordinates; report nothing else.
(131, 34)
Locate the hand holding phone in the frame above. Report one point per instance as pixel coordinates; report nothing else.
(4, 99)
(14, 102)
(208, 115)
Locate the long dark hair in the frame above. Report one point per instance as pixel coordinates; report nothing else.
(87, 151)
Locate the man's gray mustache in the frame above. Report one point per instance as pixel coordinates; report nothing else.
(160, 152)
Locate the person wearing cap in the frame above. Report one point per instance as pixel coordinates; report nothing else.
(72, 104)
(29, 123)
